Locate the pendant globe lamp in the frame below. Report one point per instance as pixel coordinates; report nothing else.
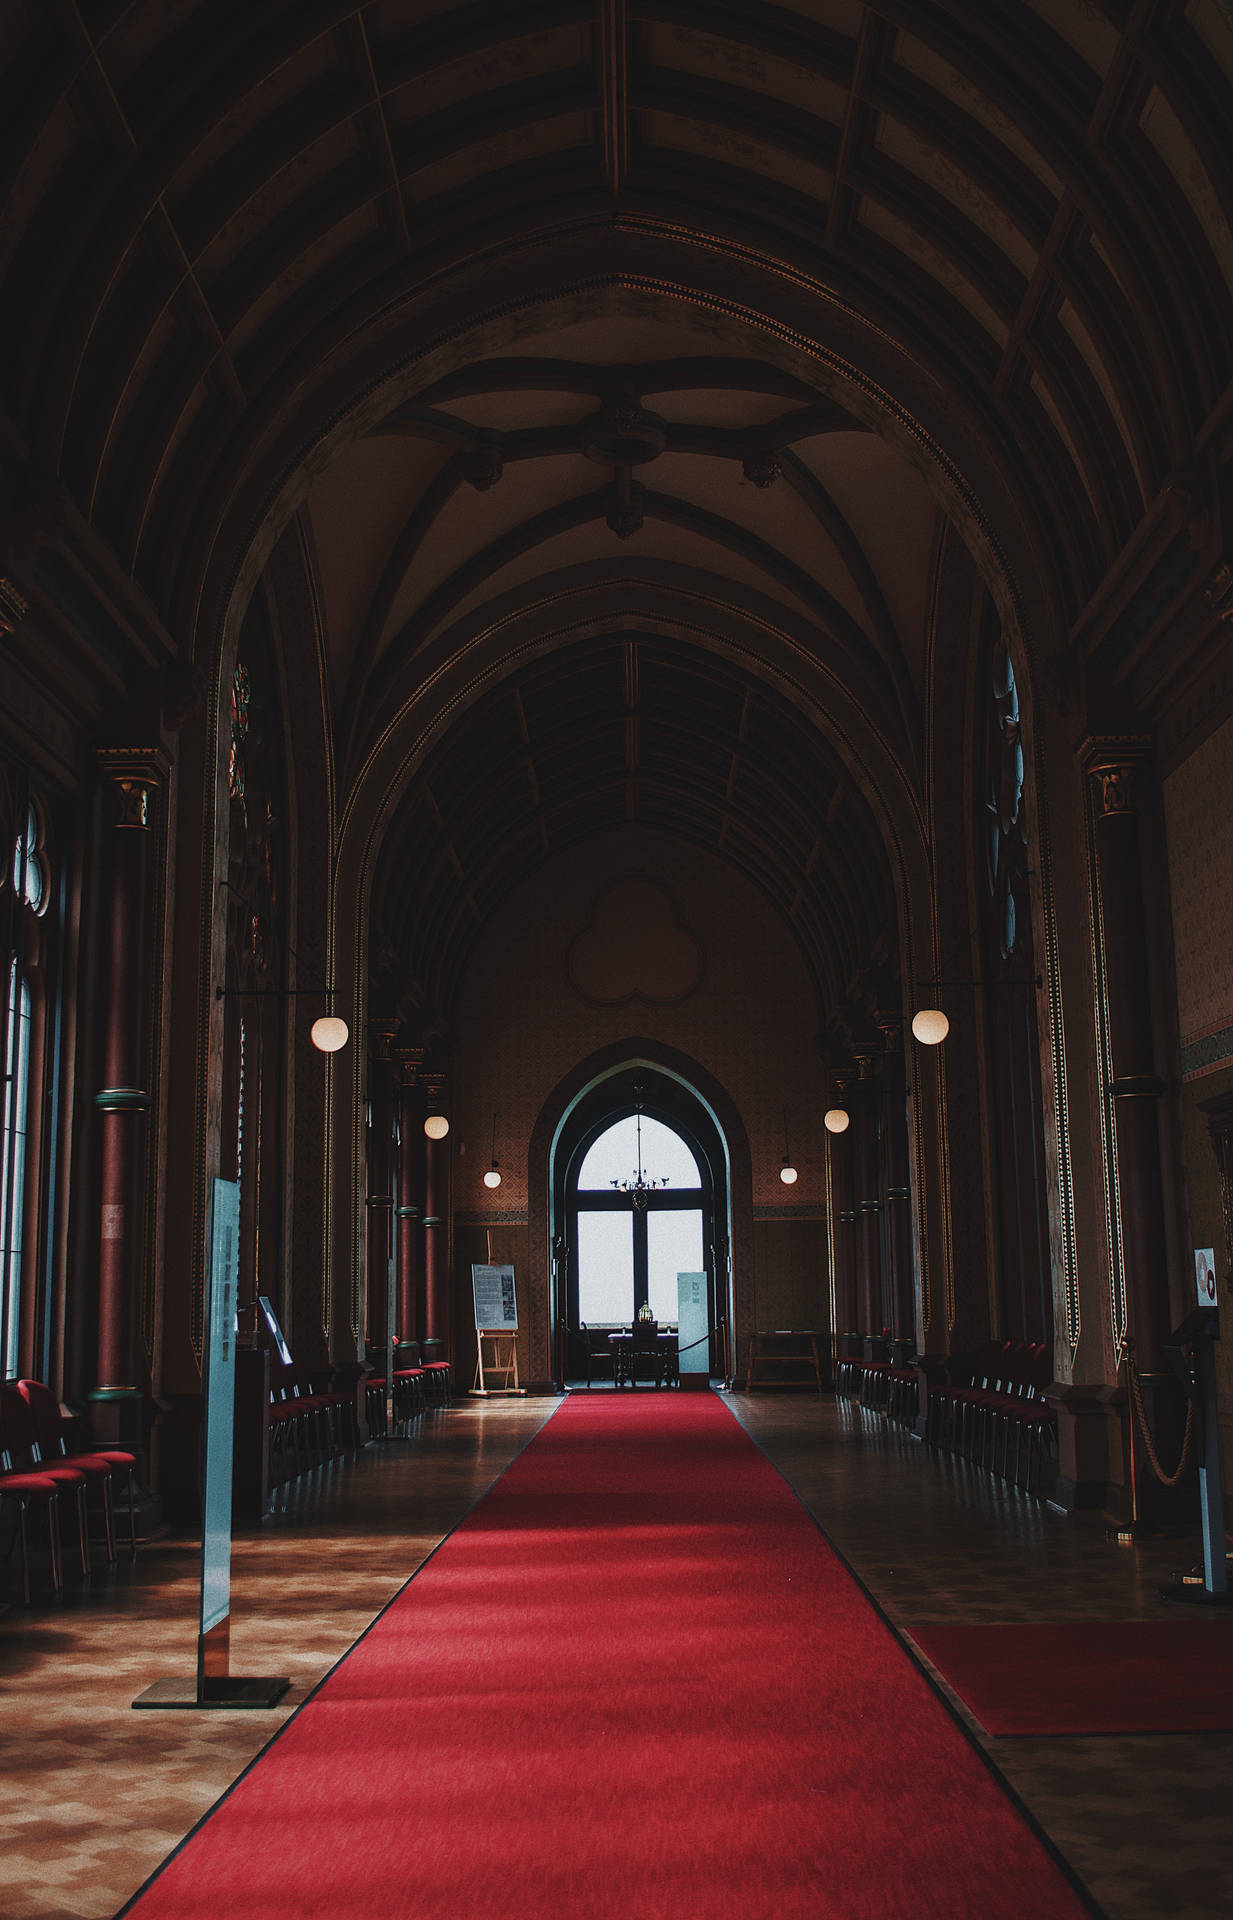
(492, 1177)
(787, 1172)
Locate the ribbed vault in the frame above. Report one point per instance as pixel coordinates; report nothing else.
(207, 199)
(625, 729)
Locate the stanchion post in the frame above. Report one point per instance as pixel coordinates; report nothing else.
(1126, 1535)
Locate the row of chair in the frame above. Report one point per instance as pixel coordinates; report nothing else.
(887, 1385)
(421, 1382)
(310, 1422)
(994, 1402)
(39, 1464)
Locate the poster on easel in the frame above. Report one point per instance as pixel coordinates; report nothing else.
(496, 1330)
(496, 1301)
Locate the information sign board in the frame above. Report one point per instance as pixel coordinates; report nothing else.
(496, 1304)
(691, 1320)
(1205, 1276)
(274, 1328)
(218, 1385)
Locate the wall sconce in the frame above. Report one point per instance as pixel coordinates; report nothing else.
(787, 1172)
(492, 1177)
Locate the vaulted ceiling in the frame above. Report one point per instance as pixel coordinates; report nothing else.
(640, 730)
(211, 206)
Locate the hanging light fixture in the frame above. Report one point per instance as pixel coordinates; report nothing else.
(329, 1034)
(836, 1120)
(787, 1172)
(930, 1026)
(638, 1186)
(492, 1177)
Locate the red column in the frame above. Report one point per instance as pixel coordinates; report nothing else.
(843, 1220)
(866, 1191)
(380, 1182)
(133, 777)
(1135, 1085)
(409, 1205)
(433, 1223)
(898, 1222)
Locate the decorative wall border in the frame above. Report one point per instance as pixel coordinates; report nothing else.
(1206, 1053)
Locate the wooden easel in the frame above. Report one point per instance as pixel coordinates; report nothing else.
(501, 1363)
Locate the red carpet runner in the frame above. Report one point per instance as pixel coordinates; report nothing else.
(636, 1682)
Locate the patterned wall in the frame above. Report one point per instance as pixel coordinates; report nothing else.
(1196, 800)
(633, 934)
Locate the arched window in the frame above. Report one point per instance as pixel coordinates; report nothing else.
(1025, 1299)
(640, 1195)
(640, 1202)
(13, 1170)
(30, 884)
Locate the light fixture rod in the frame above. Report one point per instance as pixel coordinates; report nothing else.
(272, 993)
(1011, 980)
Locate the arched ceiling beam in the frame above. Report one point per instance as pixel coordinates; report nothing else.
(538, 375)
(126, 267)
(389, 677)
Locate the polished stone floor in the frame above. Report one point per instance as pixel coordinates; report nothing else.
(1146, 1821)
(96, 1794)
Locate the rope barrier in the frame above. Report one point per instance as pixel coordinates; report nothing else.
(1139, 1411)
(582, 1332)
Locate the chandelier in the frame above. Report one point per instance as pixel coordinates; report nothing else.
(638, 1186)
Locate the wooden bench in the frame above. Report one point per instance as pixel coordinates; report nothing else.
(783, 1357)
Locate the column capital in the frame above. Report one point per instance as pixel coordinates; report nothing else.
(865, 1054)
(408, 1060)
(890, 1025)
(13, 609)
(135, 773)
(380, 1037)
(1112, 759)
(1218, 593)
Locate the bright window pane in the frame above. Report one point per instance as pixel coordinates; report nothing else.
(13, 1166)
(606, 1269)
(673, 1245)
(614, 1156)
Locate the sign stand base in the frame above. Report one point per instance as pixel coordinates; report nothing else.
(216, 1685)
(230, 1692)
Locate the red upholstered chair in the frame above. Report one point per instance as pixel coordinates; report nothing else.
(20, 1445)
(21, 1491)
(53, 1436)
(436, 1372)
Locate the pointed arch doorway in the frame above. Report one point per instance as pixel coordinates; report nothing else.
(640, 1193)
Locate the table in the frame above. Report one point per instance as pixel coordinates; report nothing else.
(657, 1351)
